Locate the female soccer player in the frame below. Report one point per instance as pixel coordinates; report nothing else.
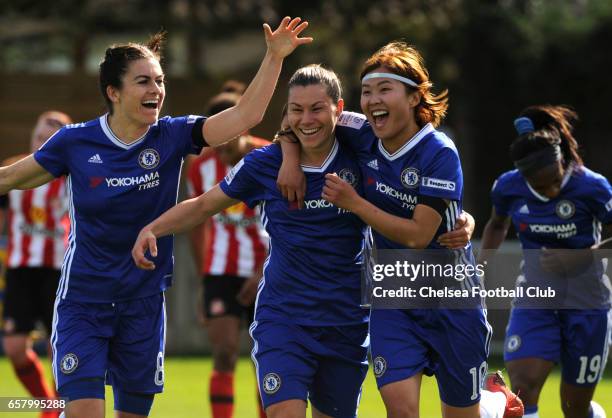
(309, 331)
(550, 191)
(123, 171)
(413, 190)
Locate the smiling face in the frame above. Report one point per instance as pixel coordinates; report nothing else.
(312, 115)
(142, 92)
(390, 109)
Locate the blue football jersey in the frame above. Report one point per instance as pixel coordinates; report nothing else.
(572, 220)
(312, 274)
(427, 165)
(115, 189)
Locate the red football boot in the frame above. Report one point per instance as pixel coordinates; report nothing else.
(494, 382)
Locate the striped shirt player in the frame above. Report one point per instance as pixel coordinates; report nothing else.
(235, 241)
(37, 234)
(571, 220)
(309, 331)
(114, 189)
(37, 226)
(426, 170)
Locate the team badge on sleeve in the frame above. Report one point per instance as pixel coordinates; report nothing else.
(148, 158)
(69, 363)
(513, 343)
(410, 178)
(380, 366)
(565, 209)
(271, 383)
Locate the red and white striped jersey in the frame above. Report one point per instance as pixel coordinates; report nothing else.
(235, 241)
(38, 226)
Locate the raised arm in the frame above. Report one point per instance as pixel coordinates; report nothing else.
(180, 218)
(250, 110)
(23, 174)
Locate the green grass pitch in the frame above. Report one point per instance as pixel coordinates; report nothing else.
(187, 379)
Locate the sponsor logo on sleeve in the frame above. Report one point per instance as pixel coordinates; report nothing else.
(351, 120)
(232, 173)
(434, 183)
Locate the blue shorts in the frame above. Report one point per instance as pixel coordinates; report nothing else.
(324, 364)
(121, 342)
(453, 345)
(580, 340)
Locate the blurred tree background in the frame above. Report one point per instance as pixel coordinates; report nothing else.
(495, 57)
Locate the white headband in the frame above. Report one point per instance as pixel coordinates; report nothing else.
(391, 75)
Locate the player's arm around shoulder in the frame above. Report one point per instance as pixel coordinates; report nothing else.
(25, 173)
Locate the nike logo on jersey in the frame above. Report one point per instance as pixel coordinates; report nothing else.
(524, 210)
(95, 159)
(373, 165)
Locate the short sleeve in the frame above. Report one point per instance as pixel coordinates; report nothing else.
(188, 129)
(442, 176)
(601, 200)
(354, 132)
(242, 181)
(52, 155)
(501, 201)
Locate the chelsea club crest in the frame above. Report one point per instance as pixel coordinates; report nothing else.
(271, 383)
(69, 363)
(148, 159)
(410, 178)
(380, 366)
(347, 175)
(565, 209)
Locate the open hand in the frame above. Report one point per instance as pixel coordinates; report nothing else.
(285, 38)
